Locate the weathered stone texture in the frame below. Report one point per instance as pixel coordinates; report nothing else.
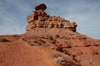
(39, 19)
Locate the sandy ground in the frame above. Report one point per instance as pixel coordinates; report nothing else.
(34, 49)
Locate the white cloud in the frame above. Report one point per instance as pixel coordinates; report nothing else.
(13, 14)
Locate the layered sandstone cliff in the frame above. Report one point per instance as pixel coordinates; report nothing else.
(39, 19)
(62, 32)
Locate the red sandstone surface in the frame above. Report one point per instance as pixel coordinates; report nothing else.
(48, 38)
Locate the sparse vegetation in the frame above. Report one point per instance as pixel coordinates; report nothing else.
(83, 55)
(57, 36)
(95, 55)
(55, 55)
(79, 60)
(59, 60)
(51, 47)
(3, 40)
(47, 44)
(35, 41)
(95, 59)
(29, 42)
(23, 38)
(90, 63)
(88, 57)
(90, 50)
(51, 38)
(40, 39)
(81, 52)
(66, 53)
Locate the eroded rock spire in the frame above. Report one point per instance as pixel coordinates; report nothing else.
(39, 19)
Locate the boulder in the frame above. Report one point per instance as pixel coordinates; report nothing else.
(40, 6)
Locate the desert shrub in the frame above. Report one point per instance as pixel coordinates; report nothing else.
(47, 44)
(59, 60)
(29, 42)
(56, 36)
(79, 60)
(40, 39)
(51, 38)
(67, 53)
(3, 40)
(23, 38)
(51, 47)
(90, 63)
(35, 41)
(55, 55)
(95, 59)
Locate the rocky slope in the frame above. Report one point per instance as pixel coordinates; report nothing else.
(49, 41)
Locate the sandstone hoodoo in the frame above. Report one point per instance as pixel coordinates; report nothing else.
(49, 41)
(39, 19)
(40, 6)
(45, 26)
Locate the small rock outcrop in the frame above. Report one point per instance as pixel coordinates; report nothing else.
(39, 19)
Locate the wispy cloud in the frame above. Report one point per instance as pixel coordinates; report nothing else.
(85, 13)
(0, 3)
(10, 21)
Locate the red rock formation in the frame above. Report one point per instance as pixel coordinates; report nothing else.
(46, 34)
(58, 28)
(40, 6)
(39, 19)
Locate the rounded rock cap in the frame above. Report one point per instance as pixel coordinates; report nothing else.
(40, 6)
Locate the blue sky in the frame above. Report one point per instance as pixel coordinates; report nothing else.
(86, 13)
